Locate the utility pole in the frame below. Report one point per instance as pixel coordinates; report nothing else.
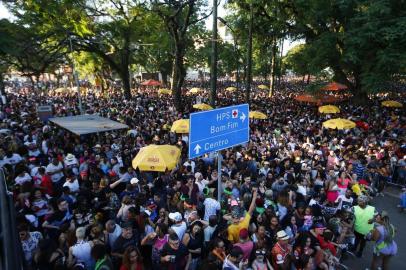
(214, 56)
(249, 57)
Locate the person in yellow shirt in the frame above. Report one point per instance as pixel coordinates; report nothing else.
(363, 223)
(233, 229)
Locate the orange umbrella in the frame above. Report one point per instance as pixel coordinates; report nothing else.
(317, 99)
(333, 86)
(151, 83)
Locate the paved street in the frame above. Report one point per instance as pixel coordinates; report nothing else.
(388, 203)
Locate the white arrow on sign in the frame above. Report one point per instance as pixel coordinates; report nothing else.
(197, 149)
(242, 117)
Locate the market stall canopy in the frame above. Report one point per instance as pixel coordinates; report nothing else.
(333, 86)
(87, 124)
(151, 83)
(156, 158)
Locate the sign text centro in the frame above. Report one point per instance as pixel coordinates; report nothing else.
(218, 129)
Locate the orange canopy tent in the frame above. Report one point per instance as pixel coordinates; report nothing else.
(318, 100)
(333, 86)
(151, 83)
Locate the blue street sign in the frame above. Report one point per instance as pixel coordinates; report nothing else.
(218, 129)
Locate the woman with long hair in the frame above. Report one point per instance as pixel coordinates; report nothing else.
(132, 259)
(385, 247)
(193, 240)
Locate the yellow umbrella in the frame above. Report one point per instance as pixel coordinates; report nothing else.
(257, 115)
(180, 126)
(339, 123)
(195, 90)
(157, 158)
(61, 90)
(392, 103)
(203, 107)
(329, 109)
(164, 91)
(263, 87)
(231, 89)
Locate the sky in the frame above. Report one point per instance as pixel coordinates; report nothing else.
(4, 14)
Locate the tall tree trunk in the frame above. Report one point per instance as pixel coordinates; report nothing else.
(280, 61)
(164, 77)
(125, 69)
(273, 67)
(178, 76)
(249, 56)
(308, 79)
(125, 77)
(360, 96)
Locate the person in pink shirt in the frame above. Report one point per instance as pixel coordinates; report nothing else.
(245, 244)
(342, 183)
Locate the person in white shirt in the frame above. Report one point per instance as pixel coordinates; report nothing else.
(55, 170)
(345, 201)
(22, 178)
(180, 226)
(200, 182)
(112, 232)
(72, 182)
(12, 158)
(211, 206)
(29, 241)
(71, 163)
(81, 251)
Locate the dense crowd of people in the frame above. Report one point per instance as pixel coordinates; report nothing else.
(297, 196)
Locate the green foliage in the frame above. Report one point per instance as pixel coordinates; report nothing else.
(361, 41)
(28, 52)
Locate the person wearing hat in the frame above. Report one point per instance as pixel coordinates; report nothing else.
(261, 262)
(179, 226)
(363, 218)
(384, 247)
(281, 252)
(234, 229)
(71, 163)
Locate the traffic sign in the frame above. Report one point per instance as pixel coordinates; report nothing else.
(218, 129)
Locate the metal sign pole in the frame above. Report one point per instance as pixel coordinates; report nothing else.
(219, 160)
